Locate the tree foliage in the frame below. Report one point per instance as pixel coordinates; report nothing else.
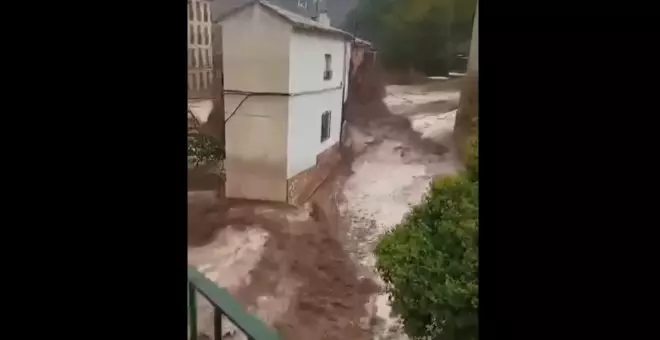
(429, 261)
(202, 149)
(419, 34)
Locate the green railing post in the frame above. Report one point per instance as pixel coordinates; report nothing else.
(192, 311)
(224, 305)
(217, 323)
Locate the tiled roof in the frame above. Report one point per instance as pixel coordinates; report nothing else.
(296, 20)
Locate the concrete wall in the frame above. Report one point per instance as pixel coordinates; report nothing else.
(307, 61)
(304, 133)
(256, 51)
(302, 186)
(256, 139)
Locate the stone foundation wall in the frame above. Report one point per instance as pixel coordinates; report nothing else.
(301, 187)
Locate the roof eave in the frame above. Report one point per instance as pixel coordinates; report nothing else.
(306, 28)
(234, 11)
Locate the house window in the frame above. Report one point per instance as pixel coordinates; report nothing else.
(206, 35)
(206, 13)
(199, 35)
(190, 10)
(209, 78)
(193, 86)
(198, 12)
(195, 58)
(325, 126)
(302, 4)
(327, 74)
(190, 57)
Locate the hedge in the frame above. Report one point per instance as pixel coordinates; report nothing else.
(429, 261)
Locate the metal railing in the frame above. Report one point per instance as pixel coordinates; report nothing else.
(224, 304)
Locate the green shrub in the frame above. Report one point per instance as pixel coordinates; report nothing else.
(472, 163)
(429, 261)
(203, 150)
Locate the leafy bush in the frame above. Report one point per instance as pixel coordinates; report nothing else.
(429, 261)
(203, 150)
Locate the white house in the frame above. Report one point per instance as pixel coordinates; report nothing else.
(285, 81)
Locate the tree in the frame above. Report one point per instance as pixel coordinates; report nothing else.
(206, 140)
(429, 261)
(420, 34)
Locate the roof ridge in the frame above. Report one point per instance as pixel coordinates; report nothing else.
(295, 19)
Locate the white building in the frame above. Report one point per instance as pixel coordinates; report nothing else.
(200, 52)
(285, 80)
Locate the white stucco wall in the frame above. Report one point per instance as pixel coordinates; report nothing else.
(304, 128)
(256, 147)
(255, 45)
(307, 61)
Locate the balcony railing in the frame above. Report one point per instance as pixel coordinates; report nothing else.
(224, 304)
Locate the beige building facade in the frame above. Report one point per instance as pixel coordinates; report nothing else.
(200, 51)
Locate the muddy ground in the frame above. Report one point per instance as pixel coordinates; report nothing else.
(311, 276)
(288, 268)
(402, 144)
